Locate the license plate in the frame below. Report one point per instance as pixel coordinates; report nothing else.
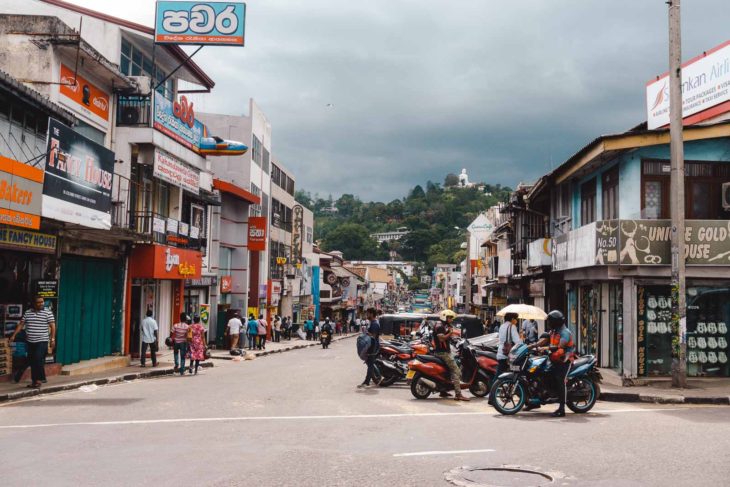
(410, 374)
(515, 368)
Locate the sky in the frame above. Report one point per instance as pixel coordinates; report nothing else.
(372, 98)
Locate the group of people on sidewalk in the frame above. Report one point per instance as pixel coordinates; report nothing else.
(255, 331)
(188, 339)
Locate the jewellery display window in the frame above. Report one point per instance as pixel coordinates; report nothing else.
(654, 330)
(708, 320)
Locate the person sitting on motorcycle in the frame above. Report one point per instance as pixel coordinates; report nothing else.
(327, 327)
(561, 350)
(442, 349)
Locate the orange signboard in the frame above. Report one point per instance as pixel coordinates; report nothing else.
(257, 233)
(21, 189)
(226, 284)
(164, 262)
(85, 94)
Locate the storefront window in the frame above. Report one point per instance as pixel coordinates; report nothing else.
(616, 326)
(654, 330)
(590, 307)
(708, 316)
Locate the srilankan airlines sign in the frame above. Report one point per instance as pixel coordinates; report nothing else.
(705, 84)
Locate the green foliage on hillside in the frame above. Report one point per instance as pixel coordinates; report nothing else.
(431, 215)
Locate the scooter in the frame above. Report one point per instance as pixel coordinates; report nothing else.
(325, 337)
(528, 383)
(429, 374)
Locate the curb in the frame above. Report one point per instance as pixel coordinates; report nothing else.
(656, 399)
(23, 394)
(265, 353)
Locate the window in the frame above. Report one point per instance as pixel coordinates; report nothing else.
(256, 151)
(588, 202)
(610, 193)
(265, 162)
(134, 62)
(255, 210)
(290, 186)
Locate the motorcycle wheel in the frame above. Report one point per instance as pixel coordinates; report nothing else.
(584, 385)
(419, 390)
(480, 388)
(508, 396)
(388, 381)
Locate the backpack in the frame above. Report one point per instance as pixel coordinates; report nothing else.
(363, 346)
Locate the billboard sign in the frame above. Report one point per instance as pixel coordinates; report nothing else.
(705, 84)
(84, 97)
(78, 183)
(21, 190)
(200, 23)
(170, 169)
(257, 233)
(177, 121)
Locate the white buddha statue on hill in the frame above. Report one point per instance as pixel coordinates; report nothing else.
(463, 179)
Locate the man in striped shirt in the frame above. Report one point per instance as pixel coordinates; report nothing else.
(40, 329)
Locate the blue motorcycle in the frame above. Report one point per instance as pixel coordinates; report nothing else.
(528, 383)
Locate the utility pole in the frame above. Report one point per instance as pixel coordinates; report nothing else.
(679, 296)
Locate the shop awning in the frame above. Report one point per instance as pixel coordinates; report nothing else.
(238, 192)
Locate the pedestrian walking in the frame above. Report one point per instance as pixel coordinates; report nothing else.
(149, 339)
(179, 334)
(277, 328)
(262, 332)
(234, 329)
(316, 330)
(338, 327)
(373, 331)
(309, 328)
(252, 330)
(40, 335)
(198, 342)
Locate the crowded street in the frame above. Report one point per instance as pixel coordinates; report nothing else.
(296, 418)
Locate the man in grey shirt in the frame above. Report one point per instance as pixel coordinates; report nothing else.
(149, 339)
(529, 331)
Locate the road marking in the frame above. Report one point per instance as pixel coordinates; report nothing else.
(452, 452)
(290, 418)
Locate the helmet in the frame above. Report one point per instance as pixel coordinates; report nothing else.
(555, 319)
(447, 313)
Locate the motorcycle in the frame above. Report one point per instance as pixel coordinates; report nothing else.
(529, 383)
(394, 356)
(325, 337)
(429, 374)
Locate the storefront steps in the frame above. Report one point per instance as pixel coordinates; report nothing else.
(101, 364)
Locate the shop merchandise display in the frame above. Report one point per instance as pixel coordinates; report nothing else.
(6, 357)
(707, 333)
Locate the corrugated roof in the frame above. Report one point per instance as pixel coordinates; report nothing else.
(33, 97)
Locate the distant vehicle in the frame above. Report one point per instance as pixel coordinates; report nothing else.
(400, 324)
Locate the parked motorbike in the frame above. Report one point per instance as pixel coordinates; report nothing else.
(429, 374)
(392, 371)
(325, 337)
(529, 383)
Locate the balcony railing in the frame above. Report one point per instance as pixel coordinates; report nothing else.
(134, 111)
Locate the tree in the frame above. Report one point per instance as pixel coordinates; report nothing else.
(451, 180)
(354, 241)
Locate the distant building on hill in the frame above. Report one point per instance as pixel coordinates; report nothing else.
(398, 234)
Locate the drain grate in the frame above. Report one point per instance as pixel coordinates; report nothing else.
(504, 476)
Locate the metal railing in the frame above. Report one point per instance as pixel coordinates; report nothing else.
(134, 111)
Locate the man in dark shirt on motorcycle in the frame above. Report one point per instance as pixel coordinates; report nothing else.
(561, 350)
(442, 349)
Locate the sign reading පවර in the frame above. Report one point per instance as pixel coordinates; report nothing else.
(202, 23)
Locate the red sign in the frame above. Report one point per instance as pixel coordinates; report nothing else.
(226, 284)
(257, 233)
(163, 262)
(84, 93)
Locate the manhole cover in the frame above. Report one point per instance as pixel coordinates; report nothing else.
(504, 476)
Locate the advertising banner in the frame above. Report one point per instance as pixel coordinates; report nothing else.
(296, 235)
(78, 183)
(164, 262)
(200, 23)
(257, 233)
(705, 84)
(177, 121)
(170, 169)
(226, 284)
(21, 190)
(83, 96)
(575, 249)
(22, 239)
(539, 253)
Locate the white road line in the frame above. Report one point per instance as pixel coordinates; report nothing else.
(452, 452)
(290, 418)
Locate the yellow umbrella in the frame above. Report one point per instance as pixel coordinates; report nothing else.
(524, 312)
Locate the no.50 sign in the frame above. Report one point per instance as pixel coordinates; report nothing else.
(217, 23)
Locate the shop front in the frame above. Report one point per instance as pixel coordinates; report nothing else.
(157, 276)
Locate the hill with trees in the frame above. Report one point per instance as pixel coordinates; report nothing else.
(436, 218)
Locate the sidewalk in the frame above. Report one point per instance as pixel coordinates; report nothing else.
(10, 391)
(276, 347)
(698, 391)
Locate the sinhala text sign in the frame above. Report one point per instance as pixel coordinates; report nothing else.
(203, 23)
(78, 183)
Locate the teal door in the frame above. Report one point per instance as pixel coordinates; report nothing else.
(86, 309)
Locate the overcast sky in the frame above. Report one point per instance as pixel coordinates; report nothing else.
(506, 89)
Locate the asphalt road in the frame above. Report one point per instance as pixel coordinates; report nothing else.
(297, 419)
